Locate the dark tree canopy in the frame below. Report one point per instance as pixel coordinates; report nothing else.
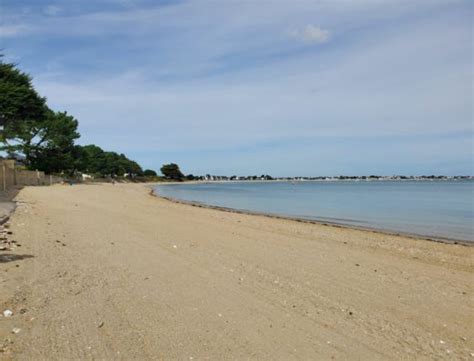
(41, 141)
(19, 101)
(91, 159)
(52, 151)
(149, 173)
(46, 138)
(172, 171)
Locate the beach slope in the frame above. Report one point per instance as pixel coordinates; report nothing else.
(112, 272)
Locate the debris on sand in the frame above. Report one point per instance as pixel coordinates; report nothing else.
(16, 330)
(6, 244)
(7, 313)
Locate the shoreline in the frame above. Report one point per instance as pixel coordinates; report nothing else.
(113, 272)
(328, 223)
(290, 180)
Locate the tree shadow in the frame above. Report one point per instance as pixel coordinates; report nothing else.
(10, 194)
(5, 258)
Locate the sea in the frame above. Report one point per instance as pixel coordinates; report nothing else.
(439, 209)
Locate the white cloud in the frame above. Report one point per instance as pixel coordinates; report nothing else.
(7, 31)
(311, 34)
(51, 10)
(181, 78)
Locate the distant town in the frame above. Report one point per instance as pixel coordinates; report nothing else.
(267, 177)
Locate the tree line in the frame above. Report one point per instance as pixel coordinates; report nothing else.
(45, 139)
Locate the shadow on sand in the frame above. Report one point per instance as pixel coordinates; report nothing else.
(5, 258)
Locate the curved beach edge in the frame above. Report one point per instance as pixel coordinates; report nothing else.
(335, 224)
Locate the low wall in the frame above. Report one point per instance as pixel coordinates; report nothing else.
(11, 176)
(7, 174)
(30, 178)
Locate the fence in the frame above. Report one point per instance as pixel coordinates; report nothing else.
(11, 176)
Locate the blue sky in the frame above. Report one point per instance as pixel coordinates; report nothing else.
(250, 87)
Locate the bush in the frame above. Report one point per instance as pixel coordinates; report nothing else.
(149, 173)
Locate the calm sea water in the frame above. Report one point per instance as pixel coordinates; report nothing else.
(429, 208)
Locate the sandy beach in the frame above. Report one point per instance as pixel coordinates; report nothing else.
(112, 272)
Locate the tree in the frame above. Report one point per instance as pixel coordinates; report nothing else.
(172, 171)
(87, 159)
(149, 173)
(52, 149)
(46, 138)
(19, 101)
(46, 144)
(92, 159)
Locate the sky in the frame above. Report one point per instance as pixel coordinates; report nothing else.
(247, 87)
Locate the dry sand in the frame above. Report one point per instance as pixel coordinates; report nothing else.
(111, 272)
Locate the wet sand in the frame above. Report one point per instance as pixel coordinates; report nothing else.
(111, 272)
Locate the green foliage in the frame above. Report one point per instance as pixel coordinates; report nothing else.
(150, 173)
(53, 150)
(19, 101)
(172, 171)
(91, 159)
(46, 144)
(46, 138)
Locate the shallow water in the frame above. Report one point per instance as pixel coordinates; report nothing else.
(429, 208)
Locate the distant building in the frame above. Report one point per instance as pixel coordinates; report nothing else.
(86, 177)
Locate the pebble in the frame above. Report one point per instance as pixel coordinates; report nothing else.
(16, 330)
(7, 313)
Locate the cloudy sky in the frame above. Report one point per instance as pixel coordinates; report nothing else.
(270, 86)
